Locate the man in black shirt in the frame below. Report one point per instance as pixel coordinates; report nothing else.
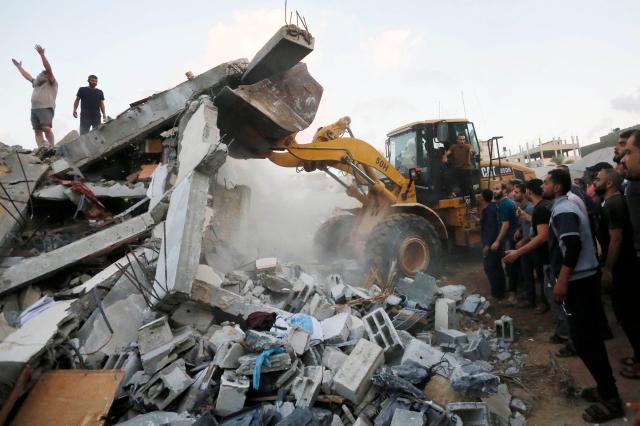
(619, 254)
(92, 105)
(489, 228)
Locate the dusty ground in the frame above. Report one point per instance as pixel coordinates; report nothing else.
(550, 407)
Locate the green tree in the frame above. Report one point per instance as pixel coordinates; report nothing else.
(557, 160)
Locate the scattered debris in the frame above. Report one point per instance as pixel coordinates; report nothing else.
(125, 300)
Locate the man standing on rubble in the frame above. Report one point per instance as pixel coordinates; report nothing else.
(43, 99)
(508, 225)
(572, 254)
(92, 105)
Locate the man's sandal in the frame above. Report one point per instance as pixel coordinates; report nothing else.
(603, 411)
(630, 372)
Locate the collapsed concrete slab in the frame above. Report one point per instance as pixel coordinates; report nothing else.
(36, 268)
(154, 114)
(18, 189)
(100, 190)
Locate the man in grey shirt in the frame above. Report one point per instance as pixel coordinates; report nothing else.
(43, 99)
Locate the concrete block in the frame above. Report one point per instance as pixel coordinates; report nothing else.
(232, 393)
(363, 420)
(154, 334)
(165, 386)
(305, 388)
(157, 357)
(407, 418)
(471, 413)
(336, 421)
(338, 293)
(421, 353)
(327, 382)
(336, 328)
(299, 340)
(446, 315)
(285, 380)
(354, 378)
(450, 336)
(333, 358)
(381, 331)
(228, 355)
(453, 292)
(505, 329)
(39, 267)
(225, 335)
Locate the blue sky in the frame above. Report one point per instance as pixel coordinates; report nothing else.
(528, 70)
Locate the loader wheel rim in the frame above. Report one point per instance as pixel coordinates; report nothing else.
(413, 255)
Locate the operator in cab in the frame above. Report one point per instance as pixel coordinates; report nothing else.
(460, 158)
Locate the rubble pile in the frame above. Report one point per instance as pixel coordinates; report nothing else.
(121, 275)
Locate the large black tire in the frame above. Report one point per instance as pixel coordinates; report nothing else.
(408, 239)
(331, 240)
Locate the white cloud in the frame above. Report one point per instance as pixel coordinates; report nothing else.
(243, 36)
(627, 103)
(392, 49)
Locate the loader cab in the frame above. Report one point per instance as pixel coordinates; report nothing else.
(423, 146)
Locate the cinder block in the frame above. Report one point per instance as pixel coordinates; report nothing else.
(232, 393)
(407, 418)
(446, 315)
(421, 353)
(305, 388)
(354, 378)
(333, 358)
(504, 329)
(471, 413)
(356, 328)
(381, 330)
(451, 336)
(228, 355)
(477, 349)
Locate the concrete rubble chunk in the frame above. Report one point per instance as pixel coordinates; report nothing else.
(453, 292)
(288, 46)
(232, 393)
(277, 362)
(157, 357)
(381, 331)
(39, 267)
(478, 348)
(421, 289)
(407, 418)
(225, 335)
(499, 404)
(421, 353)
(154, 334)
(305, 388)
(165, 386)
(446, 315)
(228, 355)
(471, 413)
(259, 341)
(155, 113)
(336, 328)
(333, 358)
(299, 340)
(473, 305)
(193, 315)
(447, 336)
(353, 379)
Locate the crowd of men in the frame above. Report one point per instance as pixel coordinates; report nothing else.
(568, 241)
(43, 102)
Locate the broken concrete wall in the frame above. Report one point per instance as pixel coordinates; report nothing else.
(155, 113)
(39, 267)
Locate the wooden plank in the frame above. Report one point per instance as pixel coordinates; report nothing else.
(70, 397)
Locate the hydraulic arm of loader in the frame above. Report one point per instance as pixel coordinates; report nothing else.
(351, 155)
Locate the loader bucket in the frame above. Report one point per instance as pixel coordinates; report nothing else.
(252, 117)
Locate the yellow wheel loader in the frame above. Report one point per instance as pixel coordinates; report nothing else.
(410, 214)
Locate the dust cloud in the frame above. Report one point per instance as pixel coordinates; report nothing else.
(286, 207)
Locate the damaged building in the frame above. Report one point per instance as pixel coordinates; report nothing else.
(127, 297)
